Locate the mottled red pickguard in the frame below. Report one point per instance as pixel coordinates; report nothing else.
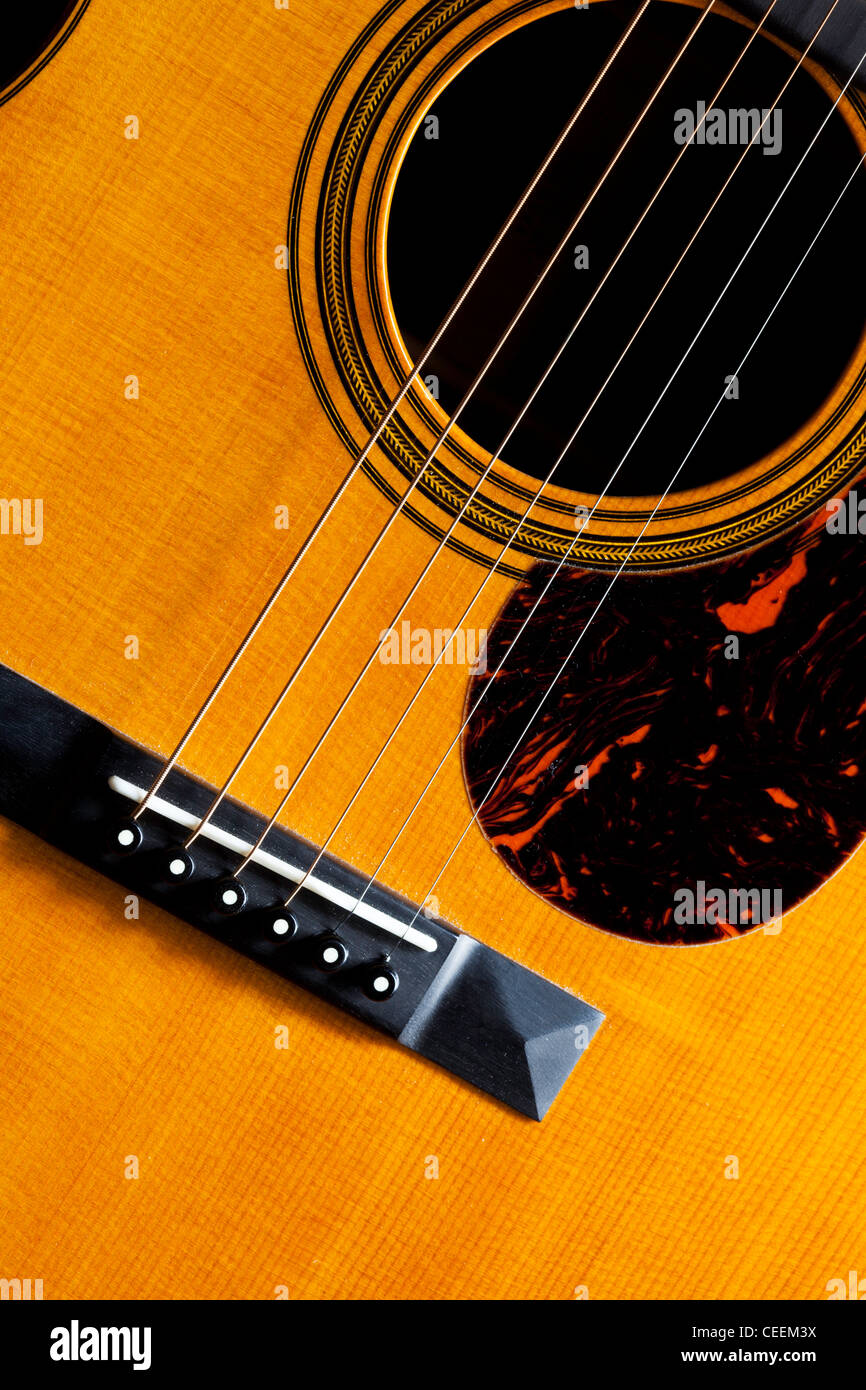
(742, 773)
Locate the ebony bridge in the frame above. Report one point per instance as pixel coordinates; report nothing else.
(73, 781)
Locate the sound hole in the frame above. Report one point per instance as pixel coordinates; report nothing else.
(26, 31)
(463, 173)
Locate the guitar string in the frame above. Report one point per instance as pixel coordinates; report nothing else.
(570, 657)
(562, 560)
(389, 414)
(249, 856)
(468, 395)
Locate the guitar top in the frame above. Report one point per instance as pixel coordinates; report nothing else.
(432, 548)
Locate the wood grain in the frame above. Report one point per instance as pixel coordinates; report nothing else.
(305, 1168)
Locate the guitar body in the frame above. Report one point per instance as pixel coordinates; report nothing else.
(186, 420)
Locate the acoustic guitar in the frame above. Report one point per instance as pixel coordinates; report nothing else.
(432, 703)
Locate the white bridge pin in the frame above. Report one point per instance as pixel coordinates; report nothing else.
(330, 953)
(178, 865)
(126, 837)
(230, 896)
(380, 981)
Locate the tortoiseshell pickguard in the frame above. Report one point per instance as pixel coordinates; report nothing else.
(739, 771)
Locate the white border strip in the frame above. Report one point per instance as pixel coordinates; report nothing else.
(277, 866)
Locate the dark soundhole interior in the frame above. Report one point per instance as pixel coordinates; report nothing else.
(496, 122)
(26, 31)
